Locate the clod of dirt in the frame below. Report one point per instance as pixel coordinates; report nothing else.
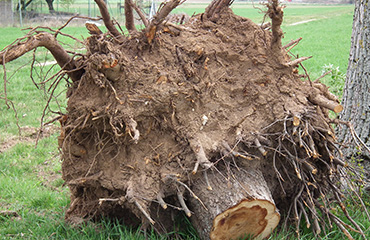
(143, 117)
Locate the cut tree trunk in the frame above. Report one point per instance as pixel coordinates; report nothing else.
(234, 206)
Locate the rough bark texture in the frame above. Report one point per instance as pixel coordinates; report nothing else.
(107, 20)
(48, 41)
(276, 14)
(130, 21)
(163, 12)
(356, 96)
(214, 10)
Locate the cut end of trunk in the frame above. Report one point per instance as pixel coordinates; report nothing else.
(338, 108)
(257, 218)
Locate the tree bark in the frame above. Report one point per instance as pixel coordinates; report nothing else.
(48, 41)
(107, 20)
(214, 9)
(50, 5)
(130, 21)
(161, 15)
(356, 96)
(234, 206)
(25, 5)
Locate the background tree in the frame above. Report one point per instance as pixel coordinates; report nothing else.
(356, 96)
(50, 5)
(26, 3)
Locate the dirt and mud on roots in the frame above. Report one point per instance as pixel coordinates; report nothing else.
(209, 117)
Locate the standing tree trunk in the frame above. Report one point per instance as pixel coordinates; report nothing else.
(356, 96)
(50, 5)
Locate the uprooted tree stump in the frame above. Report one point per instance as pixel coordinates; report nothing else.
(209, 117)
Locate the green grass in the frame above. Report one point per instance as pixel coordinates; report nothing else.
(30, 178)
(327, 39)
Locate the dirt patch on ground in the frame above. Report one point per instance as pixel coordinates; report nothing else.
(28, 135)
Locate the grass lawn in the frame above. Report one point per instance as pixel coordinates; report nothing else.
(30, 178)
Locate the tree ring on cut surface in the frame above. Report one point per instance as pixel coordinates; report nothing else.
(248, 218)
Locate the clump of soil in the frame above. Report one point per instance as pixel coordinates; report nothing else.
(141, 114)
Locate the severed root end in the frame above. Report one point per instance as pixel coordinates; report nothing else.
(134, 133)
(338, 108)
(202, 159)
(296, 61)
(326, 103)
(257, 218)
(144, 212)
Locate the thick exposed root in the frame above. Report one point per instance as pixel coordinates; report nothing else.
(276, 13)
(214, 10)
